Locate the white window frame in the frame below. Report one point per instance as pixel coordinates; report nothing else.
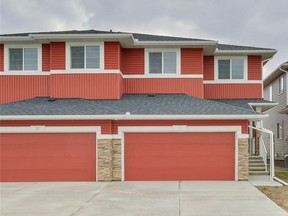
(68, 56)
(178, 61)
(280, 133)
(22, 46)
(270, 92)
(245, 68)
(281, 80)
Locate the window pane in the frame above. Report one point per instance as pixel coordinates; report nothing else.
(281, 85)
(237, 69)
(92, 57)
(224, 69)
(155, 63)
(16, 59)
(30, 59)
(77, 57)
(170, 62)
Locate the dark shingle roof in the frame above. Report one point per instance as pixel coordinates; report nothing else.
(224, 47)
(159, 104)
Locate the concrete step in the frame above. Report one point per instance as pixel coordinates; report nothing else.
(256, 169)
(256, 161)
(256, 165)
(258, 173)
(255, 158)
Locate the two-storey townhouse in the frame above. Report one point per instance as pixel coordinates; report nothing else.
(96, 105)
(275, 89)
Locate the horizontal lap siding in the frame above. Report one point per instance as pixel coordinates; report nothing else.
(133, 61)
(191, 61)
(88, 86)
(1, 57)
(112, 55)
(254, 68)
(45, 57)
(190, 86)
(58, 58)
(242, 123)
(208, 67)
(15, 88)
(232, 91)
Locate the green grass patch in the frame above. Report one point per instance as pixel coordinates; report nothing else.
(282, 175)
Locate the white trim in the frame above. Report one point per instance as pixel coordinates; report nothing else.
(195, 76)
(244, 51)
(22, 72)
(130, 117)
(232, 81)
(86, 71)
(180, 129)
(178, 60)
(245, 72)
(59, 129)
(68, 56)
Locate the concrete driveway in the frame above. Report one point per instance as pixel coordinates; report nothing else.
(136, 198)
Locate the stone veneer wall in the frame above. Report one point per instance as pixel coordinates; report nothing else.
(243, 160)
(109, 159)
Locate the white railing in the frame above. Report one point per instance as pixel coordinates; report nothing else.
(263, 151)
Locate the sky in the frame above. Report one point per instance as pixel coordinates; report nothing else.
(260, 23)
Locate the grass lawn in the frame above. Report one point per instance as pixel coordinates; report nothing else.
(282, 175)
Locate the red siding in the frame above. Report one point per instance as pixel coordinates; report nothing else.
(112, 55)
(193, 87)
(208, 67)
(48, 157)
(14, 88)
(232, 91)
(179, 156)
(1, 57)
(57, 51)
(133, 61)
(242, 123)
(88, 86)
(191, 61)
(45, 57)
(254, 68)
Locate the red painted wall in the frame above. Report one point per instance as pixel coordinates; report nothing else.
(1, 57)
(45, 57)
(133, 61)
(48, 157)
(190, 86)
(112, 55)
(179, 156)
(208, 67)
(14, 88)
(88, 86)
(232, 91)
(191, 61)
(58, 59)
(254, 68)
(111, 126)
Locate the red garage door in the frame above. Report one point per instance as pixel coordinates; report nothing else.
(179, 156)
(48, 157)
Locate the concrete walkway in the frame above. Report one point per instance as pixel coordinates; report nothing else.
(136, 198)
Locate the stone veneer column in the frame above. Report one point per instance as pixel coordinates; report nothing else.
(243, 160)
(117, 160)
(104, 163)
(257, 141)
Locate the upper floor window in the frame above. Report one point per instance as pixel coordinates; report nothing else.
(281, 84)
(22, 58)
(87, 56)
(233, 68)
(162, 61)
(270, 93)
(280, 130)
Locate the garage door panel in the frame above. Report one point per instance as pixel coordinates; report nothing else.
(48, 157)
(180, 156)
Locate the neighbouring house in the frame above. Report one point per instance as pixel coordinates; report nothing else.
(103, 105)
(275, 89)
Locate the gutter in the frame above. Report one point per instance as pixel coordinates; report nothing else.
(133, 117)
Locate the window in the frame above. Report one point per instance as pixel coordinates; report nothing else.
(85, 57)
(280, 130)
(162, 62)
(281, 85)
(231, 69)
(270, 93)
(23, 59)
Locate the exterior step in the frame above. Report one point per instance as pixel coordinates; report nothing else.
(256, 168)
(256, 165)
(256, 161)
(258, 173)
(255, 158)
